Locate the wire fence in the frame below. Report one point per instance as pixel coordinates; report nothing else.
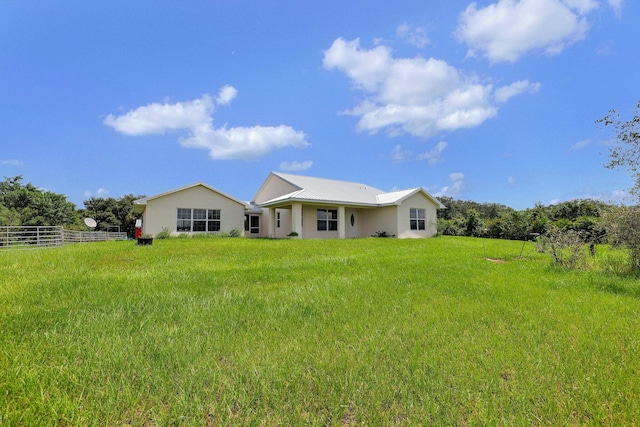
(29, 237)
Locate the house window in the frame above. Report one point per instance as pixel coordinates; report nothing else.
(198, 220)
(252, 224)
(278, 219)
(417, 218)
(213, 220)
(327, 220)
(184, 220)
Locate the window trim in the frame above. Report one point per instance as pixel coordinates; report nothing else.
(188, 219)
(329, 220)
(417, 219)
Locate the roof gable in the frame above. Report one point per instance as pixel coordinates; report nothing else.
(330, 190)
(143, 201)
(272, 187)
(397, 197)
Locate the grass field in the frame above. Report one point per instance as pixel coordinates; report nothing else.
(308, 332)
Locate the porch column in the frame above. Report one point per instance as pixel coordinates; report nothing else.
(296, 219)
(272, 222)
(342, 224)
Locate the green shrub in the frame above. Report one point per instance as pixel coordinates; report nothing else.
(565, 246)
(164, 234)
(382, 234)
(236, 232)
(451, 227)
(623, 229)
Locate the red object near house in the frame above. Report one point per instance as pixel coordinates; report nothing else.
(138, 232)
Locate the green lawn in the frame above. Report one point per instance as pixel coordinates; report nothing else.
(301, 332)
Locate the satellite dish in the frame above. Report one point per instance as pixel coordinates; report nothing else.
(90, 222)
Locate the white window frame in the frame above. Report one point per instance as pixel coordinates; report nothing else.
(327, 220)
(198, 220)
(418, 219)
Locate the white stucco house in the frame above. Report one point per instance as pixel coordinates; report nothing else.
(286, 204)
(195, 208)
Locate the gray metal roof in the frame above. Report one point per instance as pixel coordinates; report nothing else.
(322, 190)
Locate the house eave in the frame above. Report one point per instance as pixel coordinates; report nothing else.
(316, 202)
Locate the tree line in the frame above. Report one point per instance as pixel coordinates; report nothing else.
(27, 205)
(468, 218)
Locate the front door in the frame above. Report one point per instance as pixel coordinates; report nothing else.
(352, 224)
(252, 225)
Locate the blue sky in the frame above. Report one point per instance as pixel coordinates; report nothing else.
(491, 101)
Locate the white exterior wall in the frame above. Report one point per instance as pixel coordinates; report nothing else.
(379, 219)
(431, 219)
(285, 223)
(310, 223)
(162, 212)
(273, 187)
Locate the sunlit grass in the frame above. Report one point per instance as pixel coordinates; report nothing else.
(290, 332)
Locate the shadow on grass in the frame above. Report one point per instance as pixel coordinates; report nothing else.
(625, 284)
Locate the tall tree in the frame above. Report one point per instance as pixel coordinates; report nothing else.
(623, 228)
(29, 205)
(623, 222)
(110, 212)
(626, 151)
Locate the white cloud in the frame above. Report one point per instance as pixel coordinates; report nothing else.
(604, 49)
(296, 166)
(434, 156)
(510, 29)
(616, 5)
(512, 180)
(226, 94)
(243, 142)
(580, 145)
(610, 197)
(417, 96)
(196, 117)
(12, 162)
(399, 155)
(416, 37)
(582, 6)
(456, 176)
(100, 193)
(504, 93)
(455, 188)
(367, 69)
(160, 118)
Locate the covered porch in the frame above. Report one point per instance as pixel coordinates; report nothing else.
(320, 221)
